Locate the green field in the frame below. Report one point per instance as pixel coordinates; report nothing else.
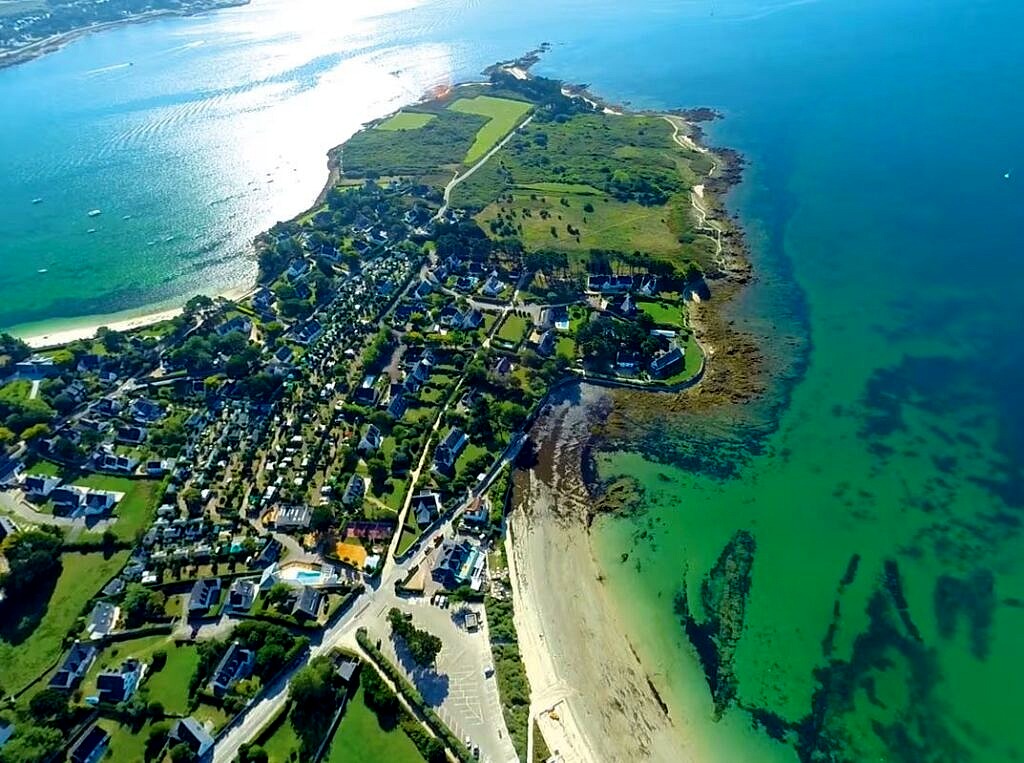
(513, 329)
(282, 744)
(503, 115)
(125, 746)
(170, 685)
(31, 638)
(407, 120)
(135, 511)
(111, 657)
(360, 737)
(663, 312)
(612, 225)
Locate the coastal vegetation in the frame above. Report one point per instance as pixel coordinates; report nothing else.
(503, 115)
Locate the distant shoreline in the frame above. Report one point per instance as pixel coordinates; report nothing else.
(55, 42)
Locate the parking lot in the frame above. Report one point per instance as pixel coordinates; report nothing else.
(462, 695)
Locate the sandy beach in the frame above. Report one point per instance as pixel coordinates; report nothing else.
(591, 697)
(60, 336)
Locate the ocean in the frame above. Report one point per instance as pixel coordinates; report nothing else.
(879, 476)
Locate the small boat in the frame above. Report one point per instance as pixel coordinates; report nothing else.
(37, 201)
(91, 230)
(95, 212)
(127, 217)
(41, 270)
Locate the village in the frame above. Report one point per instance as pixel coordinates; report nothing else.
(257, 485)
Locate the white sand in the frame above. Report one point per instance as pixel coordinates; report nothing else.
(590, 693)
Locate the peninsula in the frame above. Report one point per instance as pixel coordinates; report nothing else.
(243, 532)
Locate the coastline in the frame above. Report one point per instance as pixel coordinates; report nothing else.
(55, 42)
(39, 339)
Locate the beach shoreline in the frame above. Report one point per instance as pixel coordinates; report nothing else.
(40, 339)
(55, 42)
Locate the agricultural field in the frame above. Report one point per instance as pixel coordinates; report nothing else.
(503, 115)
(31, 638)
(407, 120)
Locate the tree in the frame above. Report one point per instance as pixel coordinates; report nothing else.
(377, 695)
(33, 557)
(30, 744)
(50, 706)
(140, 604)
(156, 739)
(314, 694)
(181, 753)
(423, 646)
(35, 431)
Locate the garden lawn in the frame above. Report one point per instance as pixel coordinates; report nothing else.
(24, 657)
(407, 120)
(360, 737)
(170, 685)
(663, 312)
(281, 744)
(513, 329)
(503, 115)
(135, 511)
(112, 656)
(125, 746)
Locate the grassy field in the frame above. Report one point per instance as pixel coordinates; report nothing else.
(282, 744)
(513, 329)
(135, 510)
(30, 640)
(503, 115)
(110, 658)
(125, 746)
(548, 223)
(43, 468)
(693, 357)
(407, 120)
(664, 313)
(360, 737)
(170, 685)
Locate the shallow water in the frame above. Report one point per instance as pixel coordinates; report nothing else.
(885, 239)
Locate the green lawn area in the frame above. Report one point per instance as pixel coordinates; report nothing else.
(170, 685)
(407, 120)
(125, 746)
(281, 743)
(43, 468)
(566, 347)
(613, 225)
(409, 536)
(394, 497)
(665, 313)
(513, 329)
(217, 717)
(135, 511)
(503, 115)
(111, 658)
(580, 189)
(360, 737)
(471, 453)
(692, 359)
(31, 638)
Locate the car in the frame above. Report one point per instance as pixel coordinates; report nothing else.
(488, 671)
(476, 752)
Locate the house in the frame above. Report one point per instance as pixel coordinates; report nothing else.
(470, 320)
(609, 284)
(478, 513)
(666, 363)
(7, 730)
(398, 406)
(7, 527)
(99, 502)
(543, 341)
(308, 604)
(493, 286)
(157, 468)
(371, 441)
(628, 306)
(146, 411)
(263, 300)
(297, 269)
(37, 367)
(190, 733)
(67, 499)
(76, 664)
(105, 459)
(284, 354)
(308, 332)
(451, 563)
(426, 507)
(38, 487)
(559, 318)
(91, 747)
(648, 285)
(242, 594)
(355, 490)
(235, 665)
(448, 451)
(106, 407)
(102, 620)
(627, 361)
(366, 393)
(503, 367)
(293, 518)
(132, 435)
(239, 324)
(205, 594)
(423, 290)
(347, 669)
(269, 554)
(119, 685)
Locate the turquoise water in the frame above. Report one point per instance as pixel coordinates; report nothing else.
(887, 245)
